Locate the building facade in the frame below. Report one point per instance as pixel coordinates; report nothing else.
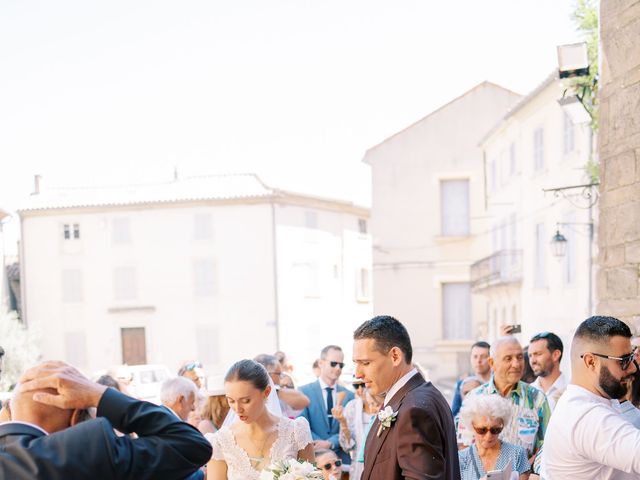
(619, 151)
(427, 220)
(538, 147)
(215, 268)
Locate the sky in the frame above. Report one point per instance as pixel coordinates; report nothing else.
(121, 92)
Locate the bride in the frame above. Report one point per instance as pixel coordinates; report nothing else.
(255, 438)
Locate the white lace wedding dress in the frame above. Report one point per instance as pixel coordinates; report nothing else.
(293, 436)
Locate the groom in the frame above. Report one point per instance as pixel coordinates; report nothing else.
(417, 440)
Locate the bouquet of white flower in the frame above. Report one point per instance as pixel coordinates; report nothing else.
(291, 470)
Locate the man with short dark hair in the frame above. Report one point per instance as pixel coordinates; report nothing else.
(324, 394)
(587, 437)
(415, 436)
(44, 440)
(545, 354)
(479, 358)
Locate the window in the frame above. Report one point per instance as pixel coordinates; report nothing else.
(513, 236)
(71, 231)
(362, 225)
(312, 280)
(75, 344)
(311, 219)
(71, 286)
(569, 135)
(124, 283)
(456, 311)
(363, 288)
(513, 168)
(493, 175)
(121, 230)
(540, 268)
(202, 226)
(569, 261)
(207, 344)
(538, 149)
(454, 207)
(205, 277)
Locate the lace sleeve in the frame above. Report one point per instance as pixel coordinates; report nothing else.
(214, 440)
(301, 433)
(349, 415)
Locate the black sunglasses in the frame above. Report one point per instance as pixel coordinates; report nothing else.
(329, 466)
(356, 386)
(625, 360)
(336, 364)
(484, 430)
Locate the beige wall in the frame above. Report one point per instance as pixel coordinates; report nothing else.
(619, 149)
(411, 258)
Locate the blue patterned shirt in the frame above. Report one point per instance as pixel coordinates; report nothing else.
(530, 416)
(471, 467)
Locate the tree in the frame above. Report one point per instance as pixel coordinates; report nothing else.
(20, 347)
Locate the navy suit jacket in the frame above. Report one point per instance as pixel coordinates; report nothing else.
(316, 415)
(166, 448)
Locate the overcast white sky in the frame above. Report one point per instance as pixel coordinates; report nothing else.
(294, 90)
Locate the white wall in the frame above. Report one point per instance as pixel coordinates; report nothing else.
(163, 251)
(317, 282)
(556, 306)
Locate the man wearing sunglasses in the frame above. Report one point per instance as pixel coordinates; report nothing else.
(587, 437)
(324, 394)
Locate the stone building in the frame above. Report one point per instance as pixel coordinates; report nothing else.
(619, 150)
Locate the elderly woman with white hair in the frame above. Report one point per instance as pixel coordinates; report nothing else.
(486, 416)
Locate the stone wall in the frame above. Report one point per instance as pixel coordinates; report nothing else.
(618, 282)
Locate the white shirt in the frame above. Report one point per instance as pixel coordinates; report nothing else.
(323, 387)
(556, 390)
(398, 385)
(588, 439)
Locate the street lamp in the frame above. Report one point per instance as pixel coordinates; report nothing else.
(559, 242)
(559, 245)
(573, 60)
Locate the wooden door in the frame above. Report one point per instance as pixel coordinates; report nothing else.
(134, 346)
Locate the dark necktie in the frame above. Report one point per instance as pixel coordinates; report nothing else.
(329, 404)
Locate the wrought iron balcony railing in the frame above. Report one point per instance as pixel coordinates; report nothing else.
(502, 268)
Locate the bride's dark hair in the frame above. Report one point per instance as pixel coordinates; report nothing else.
(248, 371)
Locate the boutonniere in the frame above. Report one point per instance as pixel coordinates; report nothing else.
(386, 418)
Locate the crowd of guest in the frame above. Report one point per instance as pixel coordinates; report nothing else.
(506, 419)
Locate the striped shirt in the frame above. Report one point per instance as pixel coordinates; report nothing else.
(471, 467)
(529, 418)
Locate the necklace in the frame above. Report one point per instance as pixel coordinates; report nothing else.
(257, 461)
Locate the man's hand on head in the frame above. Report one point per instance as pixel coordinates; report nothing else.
(74, 390)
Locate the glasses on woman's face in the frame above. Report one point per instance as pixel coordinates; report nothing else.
(329, 466)
(484, 430)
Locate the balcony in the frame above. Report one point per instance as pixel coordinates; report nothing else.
(502, 268)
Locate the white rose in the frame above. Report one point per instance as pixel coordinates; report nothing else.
(266, 475)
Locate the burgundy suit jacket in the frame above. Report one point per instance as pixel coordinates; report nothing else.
(421, 442)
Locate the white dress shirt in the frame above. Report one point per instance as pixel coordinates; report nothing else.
(588, 439)
(398, 385)
(556, 390)
(323, 387)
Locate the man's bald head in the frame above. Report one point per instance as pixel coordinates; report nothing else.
(25, 409)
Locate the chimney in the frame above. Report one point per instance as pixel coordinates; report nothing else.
(37, 184)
